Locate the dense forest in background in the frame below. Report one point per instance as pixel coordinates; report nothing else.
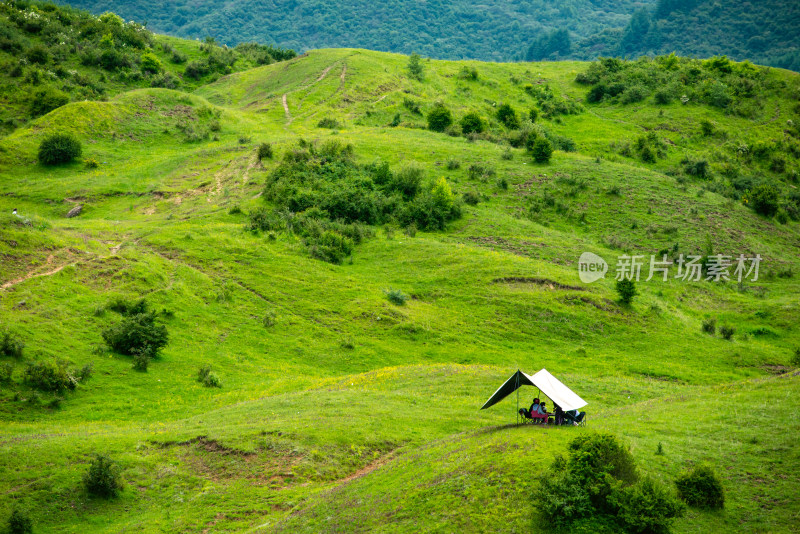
(766, 32)
(493, 30)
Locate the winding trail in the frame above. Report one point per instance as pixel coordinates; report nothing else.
(34, 274)
(286, 109)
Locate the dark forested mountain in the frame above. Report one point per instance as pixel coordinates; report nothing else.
(450, 29)
(765, 31)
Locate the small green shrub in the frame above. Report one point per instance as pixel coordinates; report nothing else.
(412, 105)
(141, 358)
(470, 197)
(270, 317)
(469, 74)
(415, 68)
(38, 54)
(726, 332)
(701, 488)
(646, 507)
(103, 478)
(439, 118)
(507, 154)
(626, 289)
(697, 168)
(709, 326)
(542, 150)
(11, 345)
(330, 246)
(128, 307)
(508, 116)
(6, 372)
(395, 296)
(59, 148)
(19, 523)
(49, 375)
(91, 163)
(472, 123)
(45, 100)
(208, 378)
(453, 164)
(764, 199)
(166, 80)
(329, 122)
(706, 128)
(137, 334)
(264, 151)
(150, 63)
(795, 361)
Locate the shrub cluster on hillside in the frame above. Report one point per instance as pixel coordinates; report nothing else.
(52, 54)
(717, 82)
(598, 481)
(139, 333)
(323, 195)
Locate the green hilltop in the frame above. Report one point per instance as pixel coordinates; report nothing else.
(358, 284)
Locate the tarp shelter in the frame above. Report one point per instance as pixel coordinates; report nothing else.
(547, 384)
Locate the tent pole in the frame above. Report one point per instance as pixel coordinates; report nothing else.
(518, 400)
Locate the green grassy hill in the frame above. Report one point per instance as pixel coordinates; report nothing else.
(343, 411)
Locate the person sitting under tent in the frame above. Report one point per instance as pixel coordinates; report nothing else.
(574, 416)
(536, 411)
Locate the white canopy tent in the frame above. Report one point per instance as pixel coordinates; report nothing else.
(547, 384)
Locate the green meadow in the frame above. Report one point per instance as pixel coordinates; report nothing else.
(341, 411)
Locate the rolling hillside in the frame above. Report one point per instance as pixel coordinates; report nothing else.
(350, 388)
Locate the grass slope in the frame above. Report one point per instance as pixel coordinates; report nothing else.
(350, 413)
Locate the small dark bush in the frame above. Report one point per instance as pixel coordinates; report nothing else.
(329, 122)
(439, 118)
(45, 100)
(103, 478)
(264, 151)
(726, 332)
(470, 197)
(208, 378)
(472, 123)
(697, 168)
(330, 246)
(59, 148)
(706, 128)
(626, 289)
(412, 106)
(709, 326)
(10, 345)
(415, 68)
(6, 372)
(795, 361)
(646, 507)
(453, 164)
(38, 54)
(50, 376)
(508, 116)
(567, 500)
(137, 334)
(662, 96)
(128, 307)
(20, 523)
(469, 74)
(764, 199)
(701, 488)
(166, 80)
(141, 359)
(542, 150)
(395, 296)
